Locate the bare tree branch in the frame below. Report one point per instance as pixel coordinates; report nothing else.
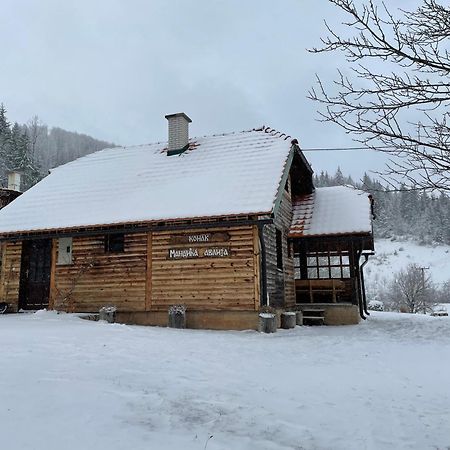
(404, 107)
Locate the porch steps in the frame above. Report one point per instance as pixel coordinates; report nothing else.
(313, 316)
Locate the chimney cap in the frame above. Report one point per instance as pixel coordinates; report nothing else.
(181, 114)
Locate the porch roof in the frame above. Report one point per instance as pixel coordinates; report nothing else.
(336, 210)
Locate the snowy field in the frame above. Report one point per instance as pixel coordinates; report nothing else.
(395, 255)
(391, 256)
(67, 383)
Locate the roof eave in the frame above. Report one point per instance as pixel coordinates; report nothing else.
(136, 227)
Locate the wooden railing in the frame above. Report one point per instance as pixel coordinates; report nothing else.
(326, 286)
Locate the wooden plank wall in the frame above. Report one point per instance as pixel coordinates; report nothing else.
(280, 284)
(226, 283)
(96, 278)
(285, 219)
(10, 273)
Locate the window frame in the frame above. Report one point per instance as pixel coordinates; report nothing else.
(327, 265)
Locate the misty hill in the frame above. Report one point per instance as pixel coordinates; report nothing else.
(56, 146)
(34, 148)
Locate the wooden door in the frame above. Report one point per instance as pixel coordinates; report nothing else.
(35, 274)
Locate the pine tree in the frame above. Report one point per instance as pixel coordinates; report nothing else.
(339, 179)
(5, 136)
(19, 157)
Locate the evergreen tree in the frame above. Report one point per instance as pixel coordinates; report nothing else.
(5, 136)
(339, 179)
(412, 214)
(20, 159)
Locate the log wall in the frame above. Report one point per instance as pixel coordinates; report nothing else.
(144, 277)
(10, 273)
(218, 283)
(96, 278)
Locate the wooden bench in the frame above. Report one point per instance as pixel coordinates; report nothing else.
(328, 286)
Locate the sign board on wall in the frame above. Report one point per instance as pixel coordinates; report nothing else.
(207, 245)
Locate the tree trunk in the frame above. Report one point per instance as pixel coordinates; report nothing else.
(177, 319)
(267, 323)
(288, 320)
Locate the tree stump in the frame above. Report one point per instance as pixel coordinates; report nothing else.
(108, 313)
(267, 323)
(288, 320)
(299, 317)
(177, 316)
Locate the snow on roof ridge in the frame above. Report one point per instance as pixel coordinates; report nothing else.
(262, 128)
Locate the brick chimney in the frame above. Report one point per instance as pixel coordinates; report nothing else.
(178, 133)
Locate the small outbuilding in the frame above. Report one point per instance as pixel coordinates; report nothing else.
(224, 224)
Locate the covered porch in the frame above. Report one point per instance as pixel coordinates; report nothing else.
(332, 241)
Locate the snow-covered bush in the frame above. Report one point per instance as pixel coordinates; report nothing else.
(375, 305)
(177, 309)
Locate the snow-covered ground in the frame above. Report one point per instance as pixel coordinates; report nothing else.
(67, 383)
(392, 256)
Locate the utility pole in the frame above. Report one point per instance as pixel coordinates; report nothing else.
(423, 289)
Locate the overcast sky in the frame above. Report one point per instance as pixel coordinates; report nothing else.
(112, 68)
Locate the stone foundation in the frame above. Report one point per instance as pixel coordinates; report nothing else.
(336, 313)
(211, 320)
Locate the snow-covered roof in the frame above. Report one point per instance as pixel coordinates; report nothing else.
(232, 174)
(330, 211)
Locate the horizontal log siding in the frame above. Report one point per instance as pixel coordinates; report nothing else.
(280, 283)
(205, 283)
(97, 278)
(10, 274)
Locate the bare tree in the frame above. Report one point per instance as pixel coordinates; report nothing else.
(398, 91)
(412, 290)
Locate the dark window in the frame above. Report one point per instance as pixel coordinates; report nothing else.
(279, 250)
(114, 243)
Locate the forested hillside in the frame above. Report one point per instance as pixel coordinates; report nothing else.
(34, 148)
(407, 213)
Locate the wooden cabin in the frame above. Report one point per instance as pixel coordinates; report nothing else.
(224, 225)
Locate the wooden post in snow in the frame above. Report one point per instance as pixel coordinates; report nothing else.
(267, 323)
(177, 316)
(288, 320)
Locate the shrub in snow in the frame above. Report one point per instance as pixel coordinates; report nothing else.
(375, 305)
(108, 313)
(177, 309)
(267, 309)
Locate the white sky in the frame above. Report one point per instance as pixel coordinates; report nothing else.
(114, 68)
